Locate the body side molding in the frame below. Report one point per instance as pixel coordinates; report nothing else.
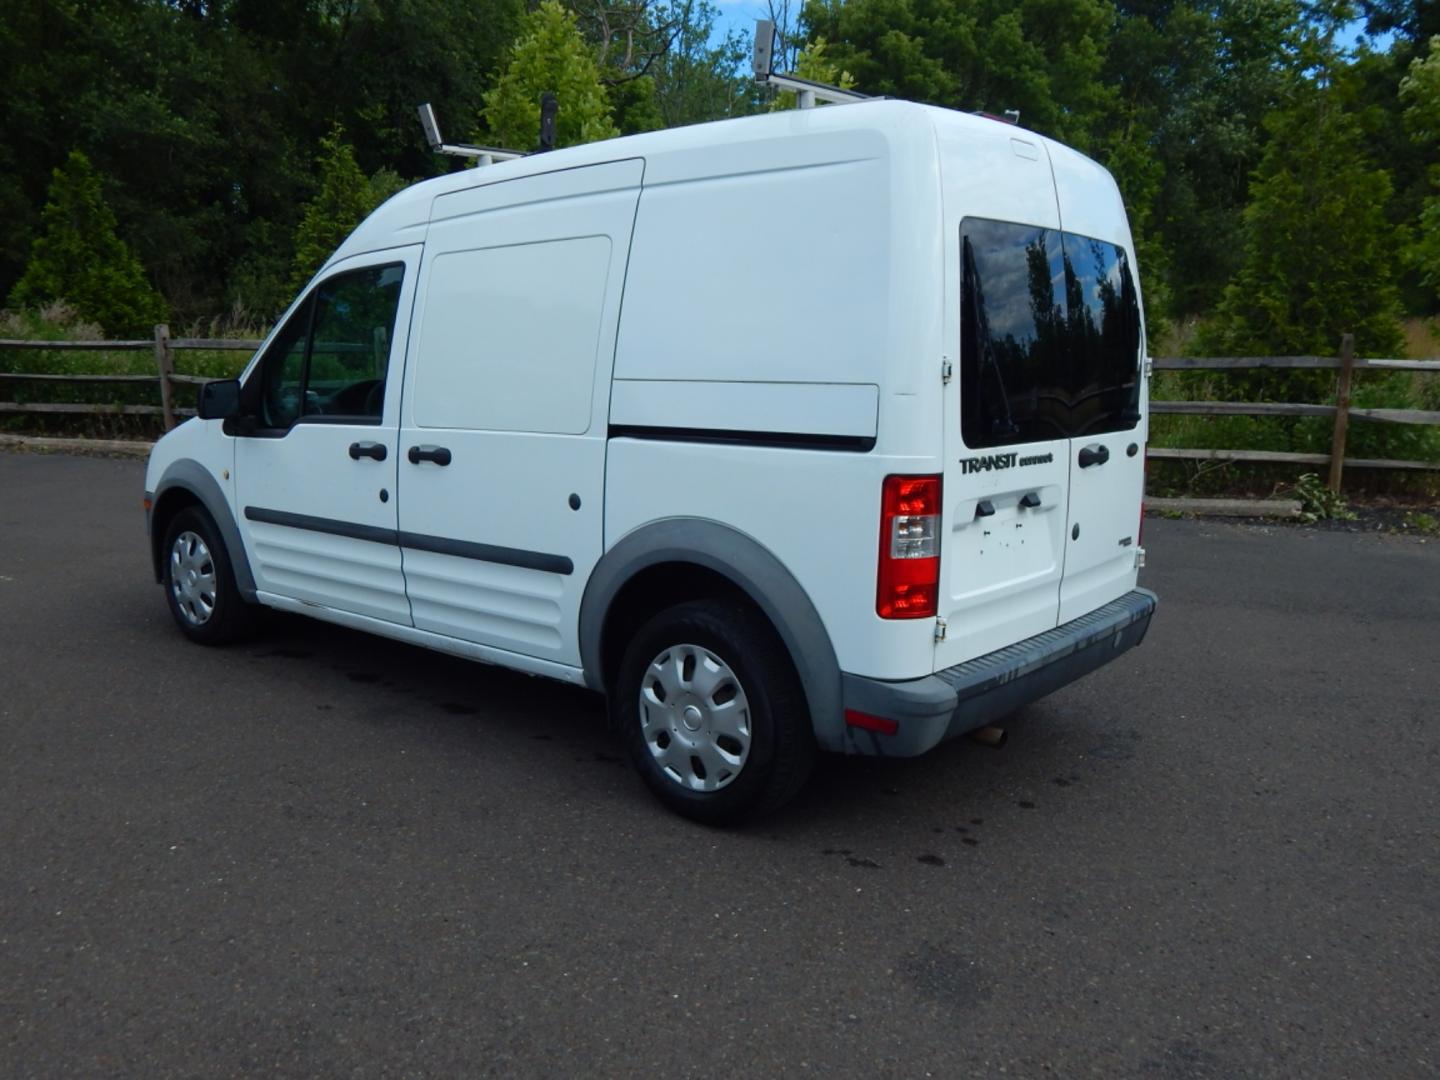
(332, 526)
(464, 549)
(751, 567)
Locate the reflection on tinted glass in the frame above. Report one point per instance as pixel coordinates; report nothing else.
(284, 372)
(1050, 335)
(331, 358)
(354, 318)
(1103, 335)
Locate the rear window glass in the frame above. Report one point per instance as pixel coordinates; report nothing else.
(1050, 335)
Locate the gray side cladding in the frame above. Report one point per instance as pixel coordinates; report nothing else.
(194, 478)
(754, 570)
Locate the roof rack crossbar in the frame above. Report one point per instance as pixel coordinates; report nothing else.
(483, 155)
(807, 91)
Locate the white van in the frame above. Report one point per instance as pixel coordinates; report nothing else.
(819, 430)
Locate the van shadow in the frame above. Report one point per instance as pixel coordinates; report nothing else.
(955, 791)
(448, 690)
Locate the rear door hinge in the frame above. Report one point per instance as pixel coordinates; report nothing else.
(940, 627)
(947, 372)
(1149, 367)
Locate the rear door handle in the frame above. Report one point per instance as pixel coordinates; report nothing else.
(438, 454)
(1096, 454)
(373, 450)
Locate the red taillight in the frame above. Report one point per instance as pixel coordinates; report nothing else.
(909, 579)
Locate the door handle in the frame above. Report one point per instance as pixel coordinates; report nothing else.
(438, 454)
(373, 450)
(1096, 454)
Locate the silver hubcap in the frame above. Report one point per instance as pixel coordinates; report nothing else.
(192, 578)
(695, 718)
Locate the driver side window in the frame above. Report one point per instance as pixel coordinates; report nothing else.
(330, 360)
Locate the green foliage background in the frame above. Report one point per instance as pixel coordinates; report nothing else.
(1282, 179)
(206, 120)
(550, 54)
(78, 257)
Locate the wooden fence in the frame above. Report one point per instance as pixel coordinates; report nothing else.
(162, 345)
(1347, 363)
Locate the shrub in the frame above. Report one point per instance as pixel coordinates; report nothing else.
(79, 258)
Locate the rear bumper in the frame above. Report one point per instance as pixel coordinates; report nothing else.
(937, 707)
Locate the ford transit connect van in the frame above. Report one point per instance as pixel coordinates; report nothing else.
(819, 430)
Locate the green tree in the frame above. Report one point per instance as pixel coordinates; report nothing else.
(550, 54)
(341, 203)
(699, 78)
(1194, 79)
(629, 39)
(1318, 255)
(1420, 92)
(79, 257)
(1043, 57)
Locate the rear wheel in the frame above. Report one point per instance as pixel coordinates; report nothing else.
(200, 583)
(712, 713)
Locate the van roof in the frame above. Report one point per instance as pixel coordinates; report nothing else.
(404, 217)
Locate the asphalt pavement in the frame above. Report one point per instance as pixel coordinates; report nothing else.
(325, 854)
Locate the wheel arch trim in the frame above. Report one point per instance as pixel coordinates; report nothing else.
(190, 476)
(752, 568)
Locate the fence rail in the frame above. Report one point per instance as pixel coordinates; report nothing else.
(1346, 363)
(166, 378)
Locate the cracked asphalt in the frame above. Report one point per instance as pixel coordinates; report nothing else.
(323, 854)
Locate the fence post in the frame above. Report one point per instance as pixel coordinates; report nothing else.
(1342, 410)
(165, 364)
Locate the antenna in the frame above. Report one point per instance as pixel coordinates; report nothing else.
(483, 155)
(806, 90)
(763, 59)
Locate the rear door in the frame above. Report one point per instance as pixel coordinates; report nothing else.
(1105, 387)
(1006, 460)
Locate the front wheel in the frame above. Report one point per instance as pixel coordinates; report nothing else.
(712, 713)
(200, 584)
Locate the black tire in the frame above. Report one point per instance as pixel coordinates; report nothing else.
(229, 618)
(781, 750)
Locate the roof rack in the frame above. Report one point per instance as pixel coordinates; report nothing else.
(483, 155)
(807, 91)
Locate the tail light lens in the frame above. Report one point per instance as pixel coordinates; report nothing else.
(909, 578)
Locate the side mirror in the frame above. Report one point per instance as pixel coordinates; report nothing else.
(219, 400)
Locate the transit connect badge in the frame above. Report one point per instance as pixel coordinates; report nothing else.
(986, 462)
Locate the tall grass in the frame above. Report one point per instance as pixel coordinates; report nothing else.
(59, 322)
(1306, 435)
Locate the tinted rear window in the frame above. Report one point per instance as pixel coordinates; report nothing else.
(1050, 335)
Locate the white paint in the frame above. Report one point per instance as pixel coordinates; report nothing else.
(510, 487)
(500, 322)
(800, 408)
(518, 360)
